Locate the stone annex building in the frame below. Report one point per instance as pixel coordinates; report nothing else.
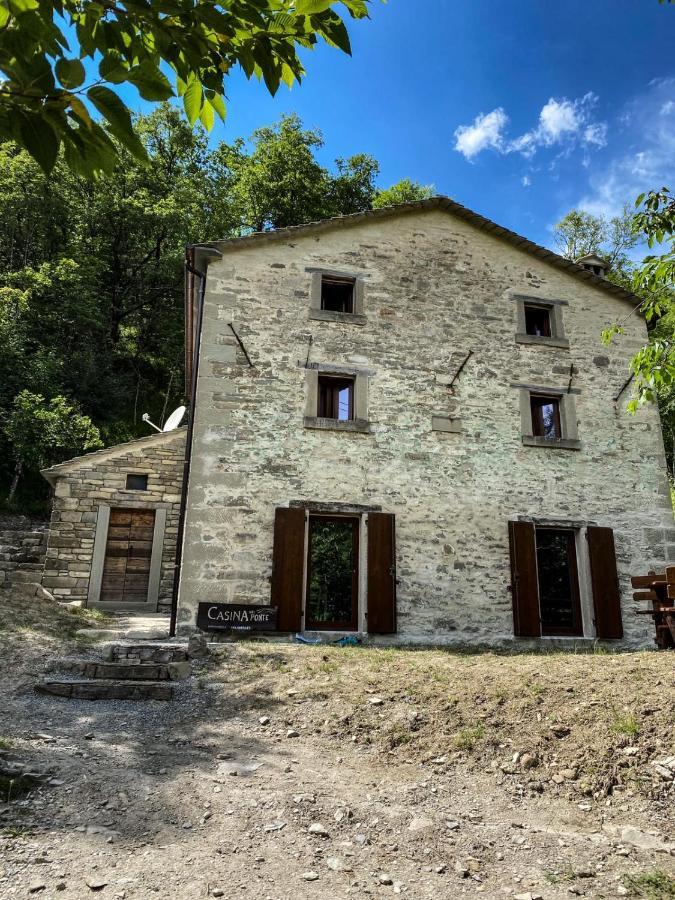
(404, 425)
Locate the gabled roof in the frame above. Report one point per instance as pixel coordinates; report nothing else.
(434, 203)
(87, 459)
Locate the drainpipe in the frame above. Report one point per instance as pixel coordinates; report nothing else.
(193, 343)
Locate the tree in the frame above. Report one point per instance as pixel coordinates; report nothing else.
(654, 280)
(580, 233)
(281, 183)
(49, 92)
(403, 191)
(45, 432)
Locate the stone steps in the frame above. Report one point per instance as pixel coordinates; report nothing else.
(86, 689)
(124, 670)
(157, 653)
(128, 671)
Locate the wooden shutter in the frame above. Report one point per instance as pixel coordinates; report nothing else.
(524, 584)
(288, 566)
(381, 574)
(605, 582)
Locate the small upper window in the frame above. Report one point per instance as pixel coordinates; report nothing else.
(546, 417)
(337, 294)
(538, 320)
(137, 482)
(336, 398)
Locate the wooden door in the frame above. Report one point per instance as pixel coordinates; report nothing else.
(126, 570)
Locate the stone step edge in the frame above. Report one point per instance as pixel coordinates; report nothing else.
(105, 689)
(122, 670)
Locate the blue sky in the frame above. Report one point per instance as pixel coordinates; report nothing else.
(520, 109)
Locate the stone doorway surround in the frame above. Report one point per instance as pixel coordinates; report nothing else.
(98, 558)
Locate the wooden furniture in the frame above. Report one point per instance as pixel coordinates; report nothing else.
(658, 590)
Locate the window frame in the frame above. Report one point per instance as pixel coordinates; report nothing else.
(141, 475)
(356, 316)
(569, 439)
(537, 403)
(341, 382)
(341, 281)
(361, 377)
(531, 307)
(557, 338)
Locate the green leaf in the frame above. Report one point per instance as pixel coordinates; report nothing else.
(336, 32)
(152, 84)
(192, 100)
(310, 7)
(21, 6)
(206, 116)
(4, 15)
(70, 73)
(118, 118)
(39, 138)
(80, 111)
(218, 104)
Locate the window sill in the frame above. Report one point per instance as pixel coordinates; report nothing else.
(329, 315)
(535, 340)
(560, 444)
(361, 426)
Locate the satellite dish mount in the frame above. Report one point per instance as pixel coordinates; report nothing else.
(171, 423)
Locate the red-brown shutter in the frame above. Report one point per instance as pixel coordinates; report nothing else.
(288, 565)
(605, 582)
(524, 584)
(381, 574)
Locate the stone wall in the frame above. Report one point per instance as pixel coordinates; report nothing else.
(435, 288)
(83, 484)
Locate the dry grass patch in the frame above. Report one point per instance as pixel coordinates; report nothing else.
(585, 724)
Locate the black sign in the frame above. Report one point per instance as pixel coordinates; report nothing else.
(236, 617)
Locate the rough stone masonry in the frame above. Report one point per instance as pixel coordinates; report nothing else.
(451, 463)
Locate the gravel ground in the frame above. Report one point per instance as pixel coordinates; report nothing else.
(284, 771)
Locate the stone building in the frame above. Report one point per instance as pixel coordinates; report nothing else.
(405, 425)
(114, 524)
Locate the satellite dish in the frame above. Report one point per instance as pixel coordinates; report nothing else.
(171, 423)
(174, 419)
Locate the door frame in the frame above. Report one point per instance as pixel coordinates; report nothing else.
(98, 559)
(357, 572)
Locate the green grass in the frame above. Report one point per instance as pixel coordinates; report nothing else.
(657, 885)
(14, 831)
(5, 743)
(466, 738)
(626, 724)
(397, 735)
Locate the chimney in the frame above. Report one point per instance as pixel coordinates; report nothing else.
(595, 264)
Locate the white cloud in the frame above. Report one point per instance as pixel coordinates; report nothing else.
(526, 181)
(486, 132)
(558, 118)
(644, 157)
(562, 122)
(596, 134)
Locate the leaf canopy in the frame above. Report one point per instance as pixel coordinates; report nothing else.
(162, 47)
